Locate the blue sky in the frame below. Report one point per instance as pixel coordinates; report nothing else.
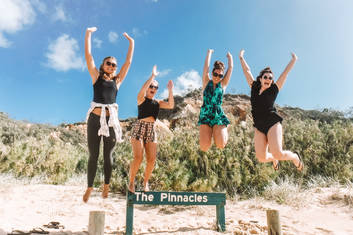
(44, 78)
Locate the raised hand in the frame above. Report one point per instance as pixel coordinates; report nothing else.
(210, 51)
(294, 56)
(241, 53)
(229, 56)
(91, 29)
(128, 37)
(154, 71)
(170, 85)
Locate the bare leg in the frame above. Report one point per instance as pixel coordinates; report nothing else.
(205, 137)
(220, 135)
(151, 152)
(261, 148)
(137, 148)
(274, 136)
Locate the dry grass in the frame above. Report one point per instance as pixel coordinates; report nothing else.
(286, 192)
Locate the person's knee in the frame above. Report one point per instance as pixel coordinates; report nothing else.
(277, 153)
(138, 158)
(151, 159)
(261, 157)
(221, 144)
(205, 144)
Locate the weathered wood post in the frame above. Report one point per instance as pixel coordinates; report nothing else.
(96, 223)
(273, 222)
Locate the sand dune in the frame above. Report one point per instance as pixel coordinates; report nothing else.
(25, 207)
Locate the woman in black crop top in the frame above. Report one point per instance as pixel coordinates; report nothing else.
(103, 114)
(267, 122)
(143, 136)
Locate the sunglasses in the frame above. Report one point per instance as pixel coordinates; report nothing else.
(110, 64)
(155, 87)
(217, 75)
(267, 77)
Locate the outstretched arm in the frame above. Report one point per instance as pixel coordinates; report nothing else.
(141, 94)
(170, 103)
(125, 68)
(246, 69)
(226, 78)
(88, 55)
(206, 68)
(281, 80)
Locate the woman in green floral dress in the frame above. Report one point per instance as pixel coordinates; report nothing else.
(213, 122)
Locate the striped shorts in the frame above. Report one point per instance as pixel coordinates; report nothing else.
(145, 131)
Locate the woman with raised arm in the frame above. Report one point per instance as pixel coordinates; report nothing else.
(102, 117)
(212, 120)
(143, 135)
(267, 122)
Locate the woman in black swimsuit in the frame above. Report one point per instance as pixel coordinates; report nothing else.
(267, 123)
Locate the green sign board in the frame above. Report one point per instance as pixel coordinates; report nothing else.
(175, 198)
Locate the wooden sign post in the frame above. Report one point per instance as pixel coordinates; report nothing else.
(175, 198)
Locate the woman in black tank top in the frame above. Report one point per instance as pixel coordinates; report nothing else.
(143, 136)
(106, 84)
(267, 123)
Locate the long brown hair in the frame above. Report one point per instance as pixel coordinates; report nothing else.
(101, 70)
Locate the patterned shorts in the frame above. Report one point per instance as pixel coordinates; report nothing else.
(144, 131)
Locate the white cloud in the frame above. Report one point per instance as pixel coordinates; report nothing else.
(40, 6)
(113, 37)
(136, 32)
(97, 42)
(60, 14)
(62, 54)
(164, 73)
(186, 82)
(4, 42)
(14, 16)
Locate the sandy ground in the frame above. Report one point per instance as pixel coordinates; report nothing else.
(25, 207)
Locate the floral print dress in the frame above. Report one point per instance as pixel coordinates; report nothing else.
(211, 112)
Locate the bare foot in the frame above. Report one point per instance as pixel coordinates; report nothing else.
(146, 187)
(87, 194)
(132, 187)
(105, 191)
(299, 164)
(275, 164)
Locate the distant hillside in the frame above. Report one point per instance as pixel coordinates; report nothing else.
(56, 153)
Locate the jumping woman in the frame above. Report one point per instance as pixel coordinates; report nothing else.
(212, 120)
(267, 122)
(102, 117)
(143, 135)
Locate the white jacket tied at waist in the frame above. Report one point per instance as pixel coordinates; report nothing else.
(113, 119)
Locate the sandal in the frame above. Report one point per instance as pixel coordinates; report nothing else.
(18, 232)
(54, 224)
(300, 166)
(275, 166)
(39, 231)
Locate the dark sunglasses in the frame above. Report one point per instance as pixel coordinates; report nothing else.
(217, 75)
(110, 64)
(267, 77)
(156, 87)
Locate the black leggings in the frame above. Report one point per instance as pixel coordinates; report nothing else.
(94, 140)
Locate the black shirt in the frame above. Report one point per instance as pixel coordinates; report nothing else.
(104, 91)
(263, 105)
(148, 108)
